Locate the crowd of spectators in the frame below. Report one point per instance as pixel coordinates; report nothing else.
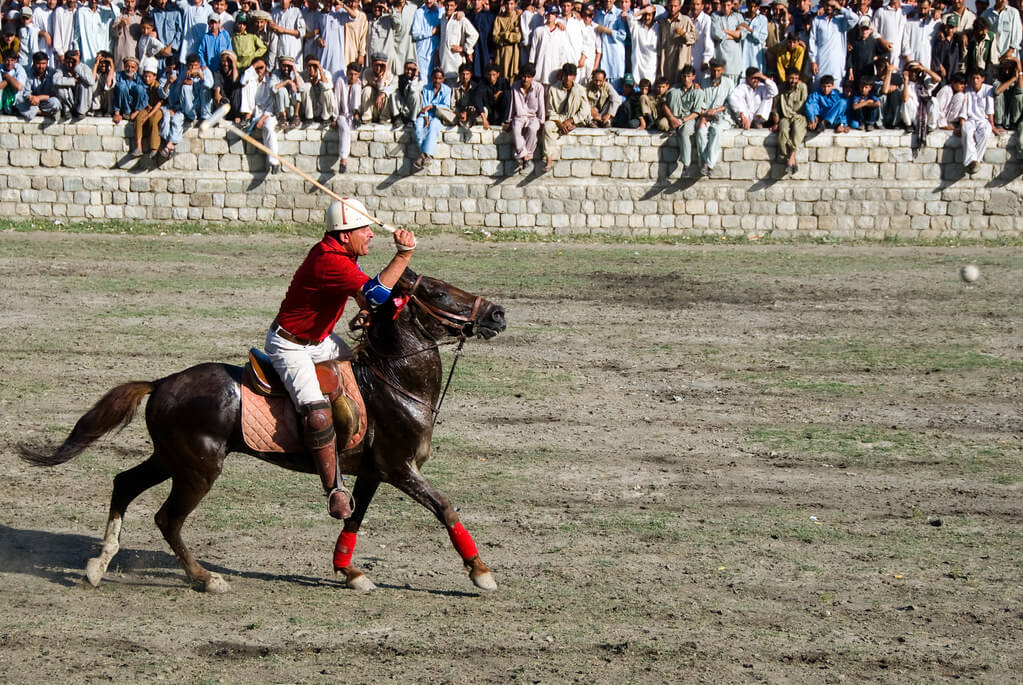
(538, 70)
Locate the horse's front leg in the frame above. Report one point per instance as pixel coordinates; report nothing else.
(415, 486)
(365, 488)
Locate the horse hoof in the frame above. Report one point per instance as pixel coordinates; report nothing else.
(361, 583)
(94, 571)
(216, 585)
(485, 581)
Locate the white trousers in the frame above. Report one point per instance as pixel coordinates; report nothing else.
(345, 124)
(976, 133)
(294, 363)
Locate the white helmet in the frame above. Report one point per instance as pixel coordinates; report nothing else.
(342, 216)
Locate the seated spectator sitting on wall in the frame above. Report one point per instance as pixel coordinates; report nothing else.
(629, 111)
(1008, 95)
(104, 73)
(567, 107)
(288, 92)
(186, 100)
(826, 107)
(493, 95)
(13, 77)
(378, 86)
(790, 123)
(660, 91)
(257, 105)
(129, 94)
(916, 111)
(604, 100)
(74, 83)
(227, 86)
(948, 103)
(406, 103)
(751, 101)
(526, 115)
(681, 109)
(463, 98)
(147, 122)
(39, 94)
(977, 120)
(865, 108)
(318, 102)
(713, 116)
(436, 98)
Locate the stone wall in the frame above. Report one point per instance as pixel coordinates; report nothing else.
(857, 185)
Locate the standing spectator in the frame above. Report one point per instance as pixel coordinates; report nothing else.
(247, 46)
(227, 85)
(407, 100)
(186, 100)
(790, 57)
(41, 17)
(288, 23)
(604, 100)
(752, 100)
(259, 24)
(318, 103)
(225, 17)
(865, 108)
(713, 118)
(458, 39)
(644, 34)
(778, 27)
(890, 26)
(964, 18)
(676, 36)
(494, 94)
(681, 109)
(39, 94)
(507, 36)
(149, 44)
(866, 55)
(754, 38)
(828, 41)
(348, 95)
(92, 30)
(613, 32)
(826, 108)
(147, 121)
(74, 82)
(1008, 94)
(526, 115)
(13, 77)
(380, 36)
(378, 86)
(257, 102)
(312, 43)
(728, 25)
(703, 48)
(169, 25)
(404, 14)
(1005, 23)
(214, 42)
(482, 20)
(130, 92)
(567, 107)
(127, 29)
(573, 25)
(549, 47)
(193, 27)
(790, 123)
(426, 34)
(947, 55)
(530, 17)
(288, 90)
(62, 27)
(976, 120)
(31, 40)
(435, 97)
(589, 53)
(356, 33)
(980, 50)
(921, 32)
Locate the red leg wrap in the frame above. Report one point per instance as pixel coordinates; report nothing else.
(462, 541)
(343, 550)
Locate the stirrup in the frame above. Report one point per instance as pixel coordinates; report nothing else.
(341, 507)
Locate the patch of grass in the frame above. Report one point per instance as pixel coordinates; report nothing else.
(476, 376)
(884, 354)
(863, 445)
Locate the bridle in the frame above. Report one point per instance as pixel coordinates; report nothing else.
(462, 326)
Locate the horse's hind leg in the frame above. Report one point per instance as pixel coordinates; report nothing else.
(365, 487)
(185, 495)
(127, 486)
(415, 486)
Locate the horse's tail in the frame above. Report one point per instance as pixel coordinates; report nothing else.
(115, 410)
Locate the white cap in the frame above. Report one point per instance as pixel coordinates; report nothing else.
(150, 64)
(342, 216)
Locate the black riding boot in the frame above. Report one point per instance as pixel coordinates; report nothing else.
(319, 440)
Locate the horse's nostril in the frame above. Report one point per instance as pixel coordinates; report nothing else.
(497, 315)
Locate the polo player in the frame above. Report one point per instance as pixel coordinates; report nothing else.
(302, 334)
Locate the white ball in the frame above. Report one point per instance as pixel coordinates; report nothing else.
(969, 273)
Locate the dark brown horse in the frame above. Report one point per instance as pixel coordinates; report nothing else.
(194, 420)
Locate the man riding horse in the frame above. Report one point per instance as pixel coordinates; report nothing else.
(302, 334)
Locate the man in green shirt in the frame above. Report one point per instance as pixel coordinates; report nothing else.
(681, 109)
(790, 122)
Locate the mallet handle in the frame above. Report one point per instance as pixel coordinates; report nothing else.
(291, 167)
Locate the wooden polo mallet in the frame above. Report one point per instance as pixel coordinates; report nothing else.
(218, 119)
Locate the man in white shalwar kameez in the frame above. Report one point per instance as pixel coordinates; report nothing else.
(194, 17)
(549, 48)
(827, 50)
(457, 41)
(62, 27)
(889, 25)
(976, 121)
(645, 37)
(921, 30)
(404, 49)
(258, 99)
(289, 25)
(92, 30)
(703, 48)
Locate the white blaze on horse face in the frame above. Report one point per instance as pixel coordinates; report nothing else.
(97, 566)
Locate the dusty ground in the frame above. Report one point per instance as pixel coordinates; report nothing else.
(705, 464)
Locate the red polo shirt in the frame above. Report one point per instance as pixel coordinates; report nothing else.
(319, 290)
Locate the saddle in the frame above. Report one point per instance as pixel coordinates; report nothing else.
(269, 418)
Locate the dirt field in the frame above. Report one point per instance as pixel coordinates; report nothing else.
(684, 464)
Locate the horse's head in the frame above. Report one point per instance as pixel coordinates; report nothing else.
(444, 311)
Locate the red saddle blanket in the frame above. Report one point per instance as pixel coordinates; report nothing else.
(270, 423)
